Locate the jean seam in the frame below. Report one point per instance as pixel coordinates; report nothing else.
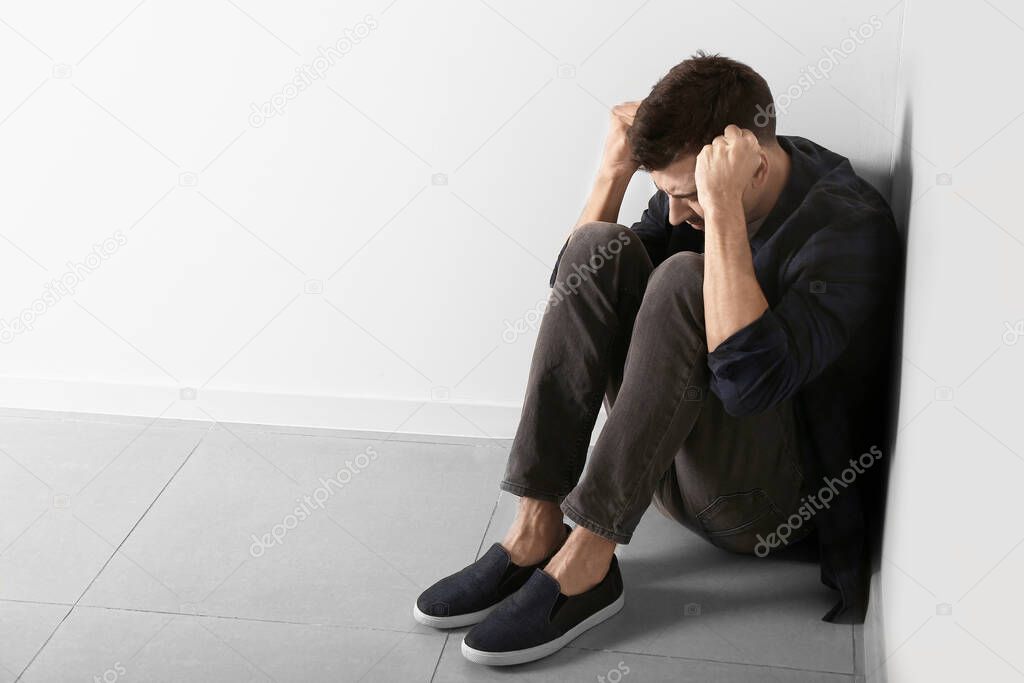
(527, 491)
(636, 489)
(590, 416)
(593, 407)
(736, 530)
(709, 509)
(647, 467)
(589, 522)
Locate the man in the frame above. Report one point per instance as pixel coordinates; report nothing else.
(738, 333)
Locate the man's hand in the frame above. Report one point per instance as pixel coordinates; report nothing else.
(617, 168)
(725, 168)
(732, 295)
(617, 161)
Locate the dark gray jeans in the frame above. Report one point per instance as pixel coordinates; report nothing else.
(618, 329)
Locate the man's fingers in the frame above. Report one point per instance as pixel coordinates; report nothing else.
(734, 133)
(626, 111)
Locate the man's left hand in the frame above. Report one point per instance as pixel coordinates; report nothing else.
(725, 168)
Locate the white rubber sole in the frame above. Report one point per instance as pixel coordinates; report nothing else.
(457, 621)
(531, 654)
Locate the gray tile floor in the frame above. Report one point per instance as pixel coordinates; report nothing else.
(140, 551)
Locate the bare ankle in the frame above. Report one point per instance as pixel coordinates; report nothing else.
(537, 531)
(582, 562)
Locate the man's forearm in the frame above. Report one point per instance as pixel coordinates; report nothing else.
(732, 296)
(605, 199)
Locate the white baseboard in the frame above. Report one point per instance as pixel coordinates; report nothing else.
(350, 413)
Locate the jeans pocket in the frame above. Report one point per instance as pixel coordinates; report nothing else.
(734, 521)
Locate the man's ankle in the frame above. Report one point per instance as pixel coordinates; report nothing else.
(537, 532)
(582, 561)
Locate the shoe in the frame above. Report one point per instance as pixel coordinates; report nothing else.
(538, 620)
(470, 594)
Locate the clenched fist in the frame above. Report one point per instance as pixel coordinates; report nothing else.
(726, 167)
(617, 160)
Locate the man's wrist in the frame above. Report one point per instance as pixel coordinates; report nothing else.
(723, 208)
(605, 198)
(615, 176)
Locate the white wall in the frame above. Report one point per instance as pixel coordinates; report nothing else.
(953, 555)
(111, 111)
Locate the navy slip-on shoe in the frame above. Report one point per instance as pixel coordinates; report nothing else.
(538, 620)
(468, 596)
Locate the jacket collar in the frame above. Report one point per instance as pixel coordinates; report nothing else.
(809, 162)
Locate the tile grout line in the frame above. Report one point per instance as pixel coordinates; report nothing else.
(479, 547)
(45, 643)
(725, 662)
(112, 554)
(483, 537)
(487, 527)
(440, 655)
(853, 648)
(255, 620)
(37, 602)
(287, 430)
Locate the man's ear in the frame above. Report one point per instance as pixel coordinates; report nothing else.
(761, 174)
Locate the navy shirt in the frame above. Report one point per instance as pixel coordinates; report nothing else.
(828, 258)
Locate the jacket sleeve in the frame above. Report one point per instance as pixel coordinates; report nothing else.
(652, 229)
(839, 277)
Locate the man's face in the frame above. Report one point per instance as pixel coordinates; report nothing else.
(677, 181)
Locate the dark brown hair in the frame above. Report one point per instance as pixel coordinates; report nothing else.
(693, 103)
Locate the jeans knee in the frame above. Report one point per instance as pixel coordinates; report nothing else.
(594, 245)
(599, 237)
(680, 275)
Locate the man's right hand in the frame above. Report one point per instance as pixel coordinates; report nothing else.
(617, 168)
(617, 161)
